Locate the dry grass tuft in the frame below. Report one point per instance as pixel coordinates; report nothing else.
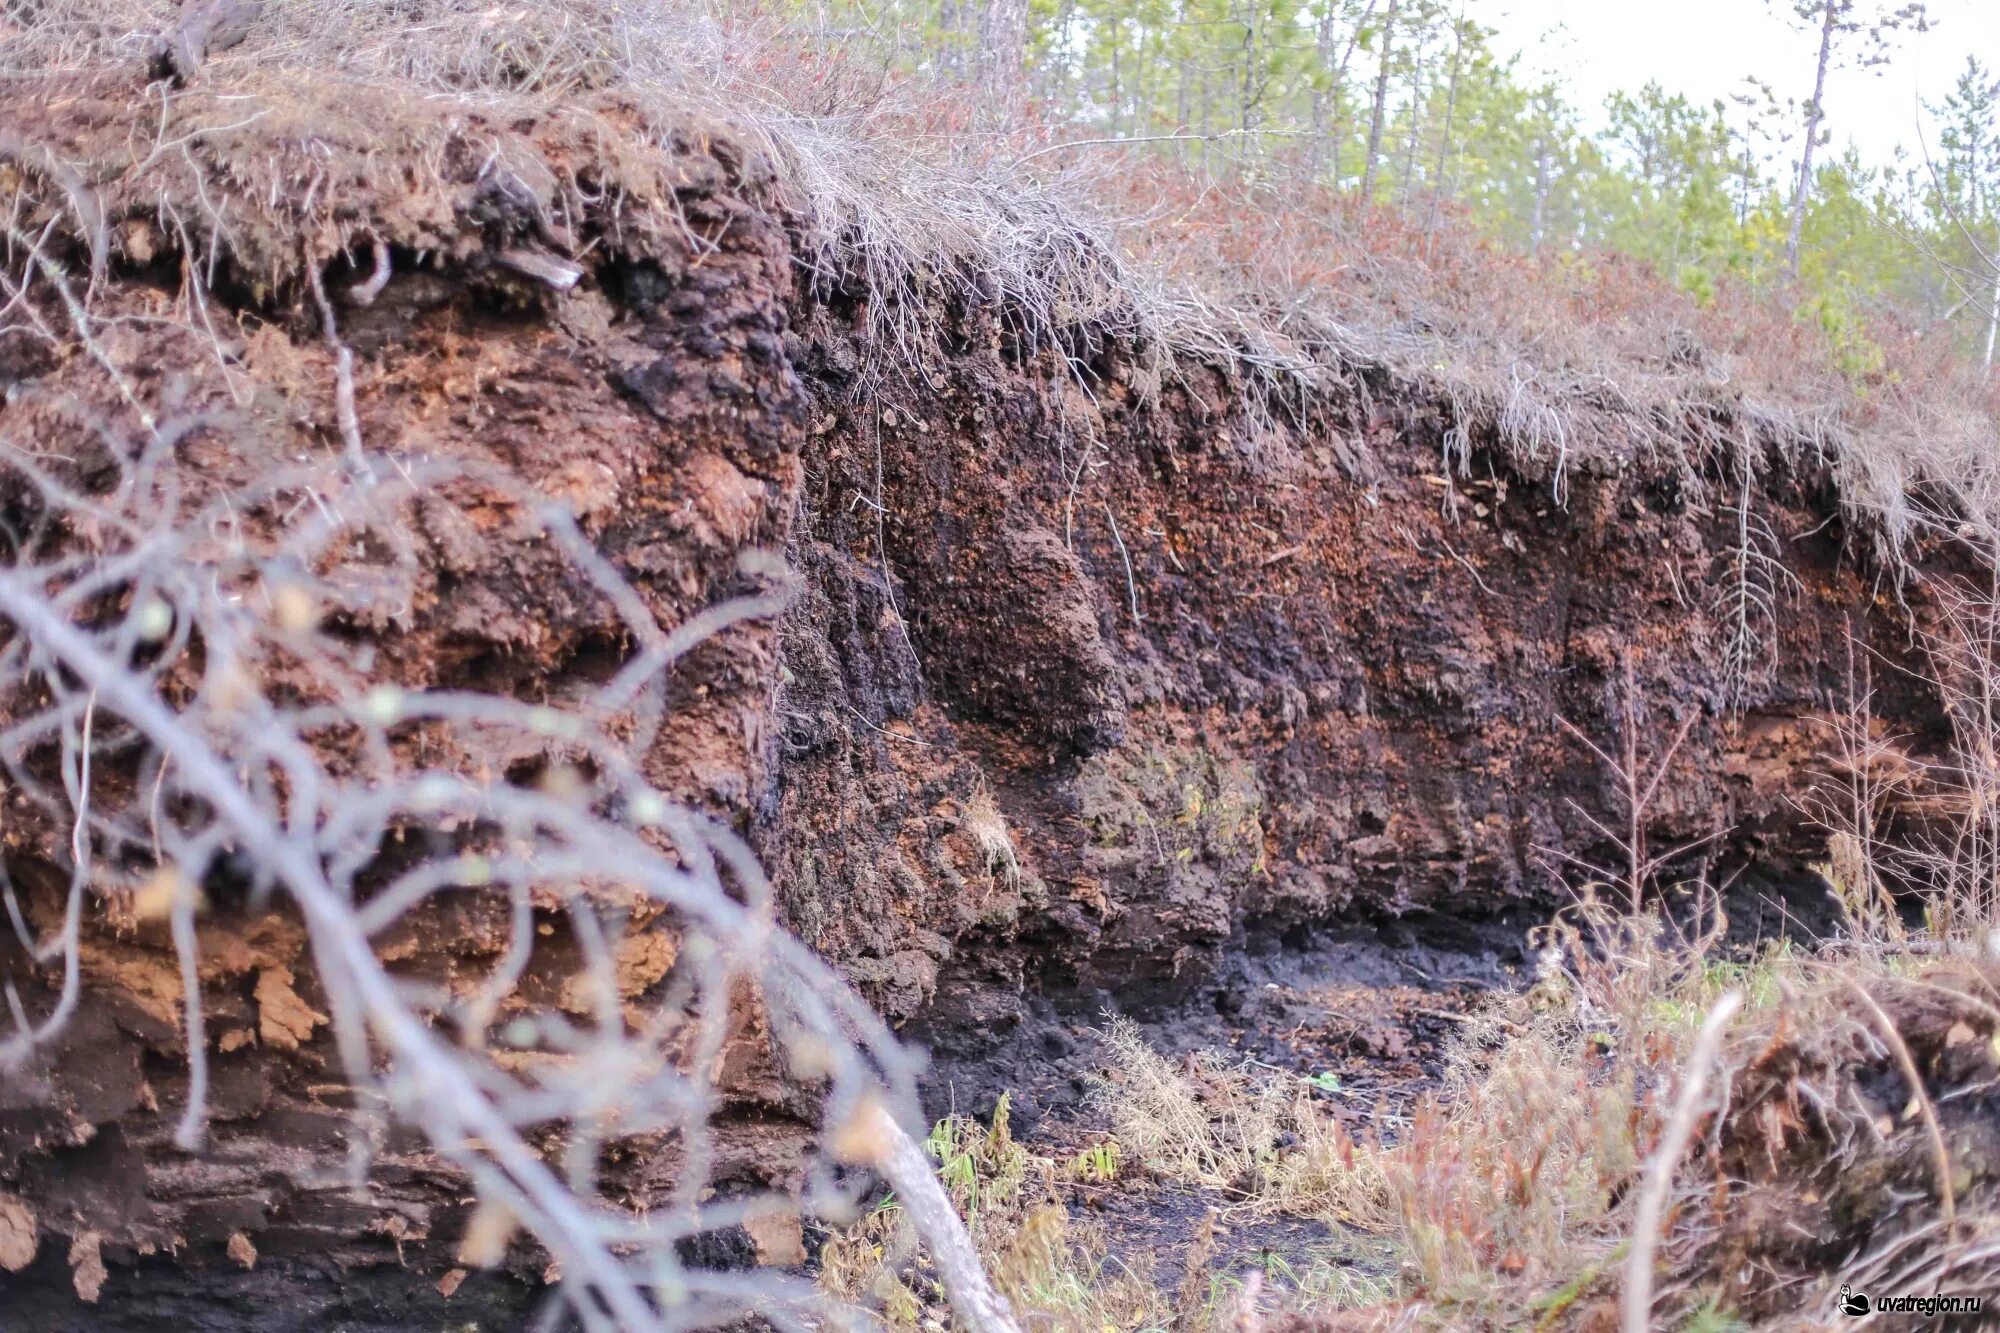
(982, 821)
(1206, 1122)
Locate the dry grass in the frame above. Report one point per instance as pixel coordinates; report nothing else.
(1838, 1141)
(1057, 1269)
(1506, 1196)
(987, 827)
(1208, 1123)
(1574, 362)
(1510, 1186)
(1509, 1197)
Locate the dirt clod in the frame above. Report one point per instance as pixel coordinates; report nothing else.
(19, 1238)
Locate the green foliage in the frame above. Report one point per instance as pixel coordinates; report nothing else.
(1255, 90)
(1712, 1316)
(1096, 1165)
(980, 1166)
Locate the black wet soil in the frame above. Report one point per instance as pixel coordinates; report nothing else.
(1366, 1011)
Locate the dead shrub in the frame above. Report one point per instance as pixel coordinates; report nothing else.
(1827, 1169)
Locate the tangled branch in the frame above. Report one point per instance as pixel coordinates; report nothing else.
(186, 696)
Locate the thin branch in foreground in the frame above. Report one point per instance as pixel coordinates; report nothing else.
(1940, 1154)
(1637, 1305)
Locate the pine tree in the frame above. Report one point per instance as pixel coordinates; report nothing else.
(1855, 32)
(1386, 37)
(1964, 198)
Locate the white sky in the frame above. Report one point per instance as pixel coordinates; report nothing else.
(1706, 48)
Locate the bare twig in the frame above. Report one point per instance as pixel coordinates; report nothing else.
(910, 1173)
(542, 266)
(1637, 1305)
(1638, 787)
(1940, 1154)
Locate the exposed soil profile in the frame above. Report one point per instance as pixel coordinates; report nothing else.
(1259, 713)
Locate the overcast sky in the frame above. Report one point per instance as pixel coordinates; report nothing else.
(1705, 49)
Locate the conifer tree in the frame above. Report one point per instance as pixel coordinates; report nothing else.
(1857, 33)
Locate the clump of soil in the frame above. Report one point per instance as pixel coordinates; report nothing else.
(1828, 1170)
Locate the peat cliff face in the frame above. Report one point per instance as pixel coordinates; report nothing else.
(1221, 675)
(1088, 672)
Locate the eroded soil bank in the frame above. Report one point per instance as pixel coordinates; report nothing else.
(1098, 684)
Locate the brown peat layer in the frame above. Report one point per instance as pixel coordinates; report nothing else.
(1105, 682)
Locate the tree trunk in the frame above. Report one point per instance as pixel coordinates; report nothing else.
(1815, 113)
(1251, 95)
(1327, 126)
(1541, 196)
(1450, 112)
(1323, 96)
(1181, 99)
(1993, 314)
(947, 43)
(1117, 89)
(1416, 130)
(1207, 133)
(1381, 101)
(1002, 54)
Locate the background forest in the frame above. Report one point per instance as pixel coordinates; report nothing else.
(1415, 103)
